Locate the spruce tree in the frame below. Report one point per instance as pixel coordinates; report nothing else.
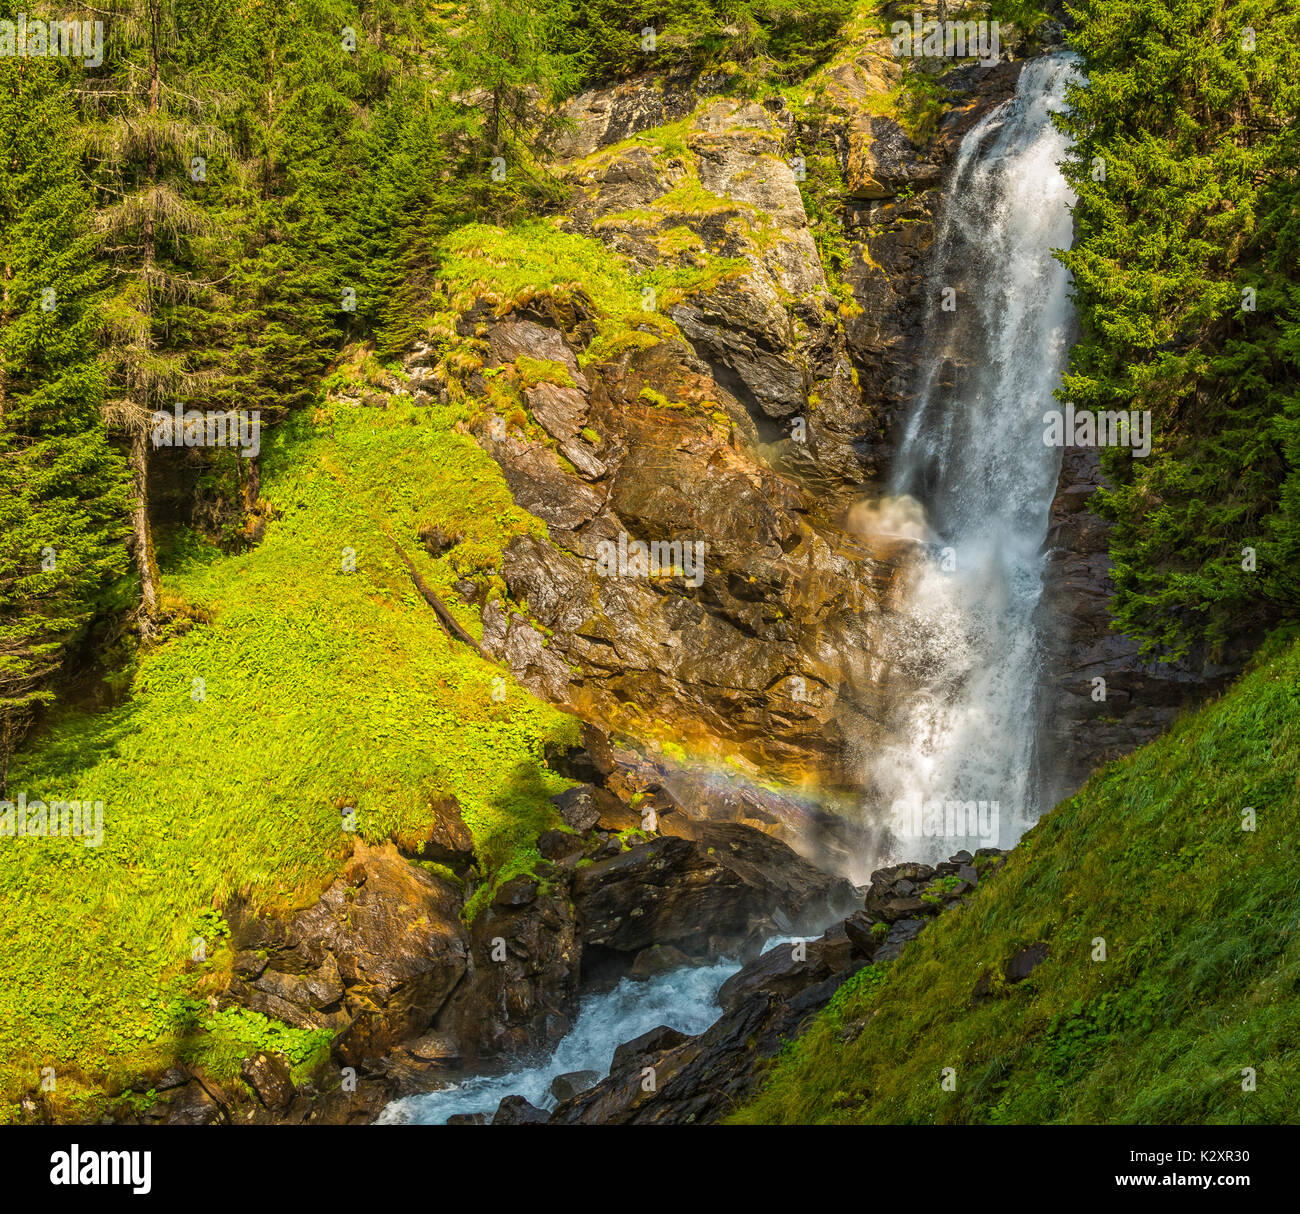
(143, 139)
(62, 492)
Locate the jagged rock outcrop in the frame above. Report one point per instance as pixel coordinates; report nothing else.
(704, 896)
(754, 638)
(715, 198)
(665, 1078)
(375, 958)
(521, 986)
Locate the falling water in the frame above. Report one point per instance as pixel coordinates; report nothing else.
(967, 638)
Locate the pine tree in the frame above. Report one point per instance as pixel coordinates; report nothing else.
(62, 486)
(143, 139)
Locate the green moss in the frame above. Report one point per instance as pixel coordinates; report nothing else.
(534, 371)
(510, 267)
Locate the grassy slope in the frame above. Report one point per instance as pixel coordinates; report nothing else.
(1203, 969)
(322, 688)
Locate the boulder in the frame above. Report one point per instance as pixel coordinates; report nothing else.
(517, 892)
(560, 846)
(578, 807)
(699, 894)
(1024, 962)
(568, 1085)
(515, 1110)
(658, 959)
(781, 972)
(376, 956)
(194, 1105)
(648, 1046)
(268, 1076)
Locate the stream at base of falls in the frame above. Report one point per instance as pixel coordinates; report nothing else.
(684, 999)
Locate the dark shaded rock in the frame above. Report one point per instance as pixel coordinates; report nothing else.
(893, 909)
(578, 807)
(568, 1085)
(658, 959)
(1085, 723)
(193, 1105)
(515, 1110)
(468, 1119)
(518, 891)
(448, 840)
(520, 989)
(648, 1046)
(560, 845)
(685, 892)
(1023, 963)
(858, 929)
(900, 934)
(248, 965)
(781, 972)
(359, 1107)
(701, 1078)
(268, 1076)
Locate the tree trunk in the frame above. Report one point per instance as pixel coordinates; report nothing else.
(145, 559)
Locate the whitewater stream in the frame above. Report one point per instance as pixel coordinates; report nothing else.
(684, 999)
(968, 635)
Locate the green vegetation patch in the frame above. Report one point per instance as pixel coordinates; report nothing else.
(311, 689)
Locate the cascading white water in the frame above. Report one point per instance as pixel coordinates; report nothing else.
(685, 999)
(967, 637)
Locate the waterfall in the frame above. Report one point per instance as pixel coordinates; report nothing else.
(966, 639)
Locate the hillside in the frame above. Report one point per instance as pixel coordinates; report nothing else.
(292, 689)
(1199, 981)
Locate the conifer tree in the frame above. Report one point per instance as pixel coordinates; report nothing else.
(61, 484)
(143, 139)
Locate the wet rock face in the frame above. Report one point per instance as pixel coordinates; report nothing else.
(1141, 698)
(521, 987)
(704, 896)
